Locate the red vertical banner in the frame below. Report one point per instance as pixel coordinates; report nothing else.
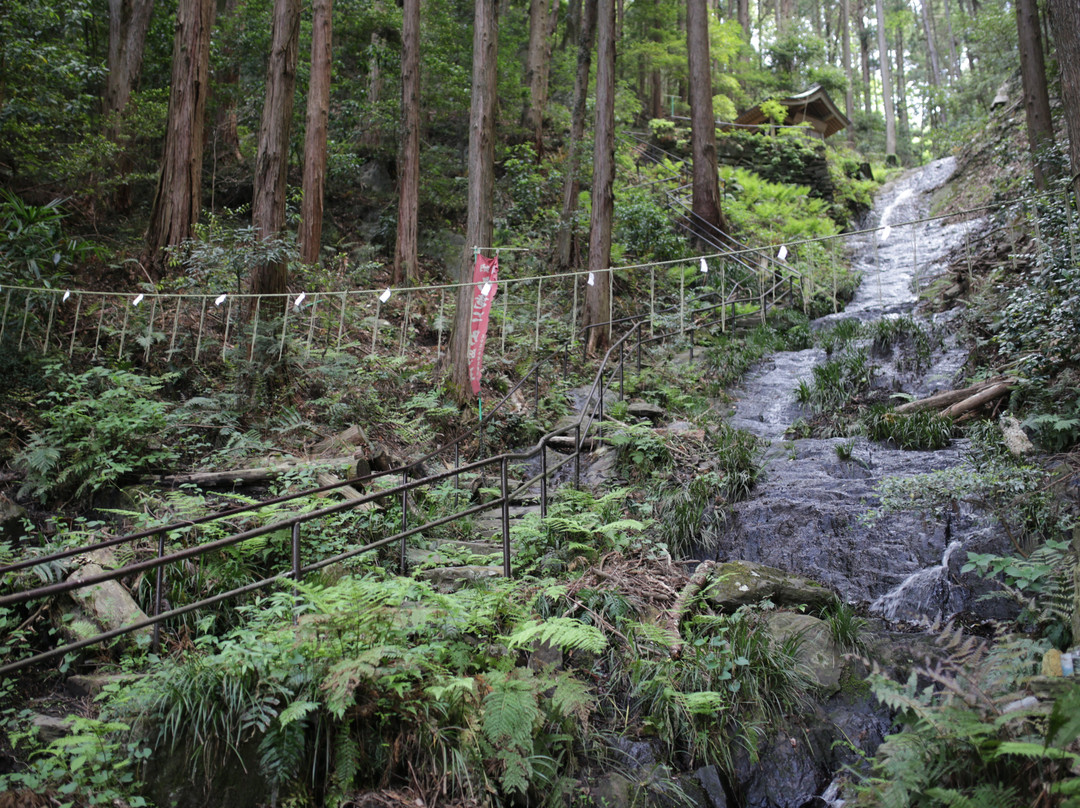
(485, 283)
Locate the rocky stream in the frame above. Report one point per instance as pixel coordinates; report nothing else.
(811, 515)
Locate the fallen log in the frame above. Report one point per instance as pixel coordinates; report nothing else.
(977, 400)
(947, 398)
(347, 491)
(248, 476)
(344, 441)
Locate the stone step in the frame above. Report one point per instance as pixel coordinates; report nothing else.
(451, 579)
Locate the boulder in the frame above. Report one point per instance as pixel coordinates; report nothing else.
(451, 579)
(11, 516)
(738, 583)
(645, 409)
(817, 649)
(108, 603)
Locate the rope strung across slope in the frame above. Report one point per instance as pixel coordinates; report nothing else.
(745, 251)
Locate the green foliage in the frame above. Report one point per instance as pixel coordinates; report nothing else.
(390, 679)
(640, 450)
(914, 342)
(847, 628)
(916, 430)
(644, 229)
(730, 681)
(836, 382)
(33, 248)
(91, 765)
(97, 427)
(967, 739)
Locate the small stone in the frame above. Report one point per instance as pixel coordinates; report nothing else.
(49, 728)
(645, 409)
(1051, 663)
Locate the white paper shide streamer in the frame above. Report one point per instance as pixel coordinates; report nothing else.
(384, 296)
(592, 280)
(780, 256)
(220, 300)
(299, 299)
(704, 266)
(138, 300)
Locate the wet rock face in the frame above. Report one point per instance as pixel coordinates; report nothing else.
(809, 518)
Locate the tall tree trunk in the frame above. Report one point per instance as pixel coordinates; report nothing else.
(179, 189)
(315, 131)
(571, 181)
(1040, 128)
(371, 135)
(954, 61)
(272, 158)
(936, 108)
(532, 116)
(864, 53)
(226, 81)
(480, 227)
(598, 296)
(405, 248)
(742, 14)
(886, 83)
(706, 187)
(1065, 22)
(901, 88)
(845, 57)
(129, 20)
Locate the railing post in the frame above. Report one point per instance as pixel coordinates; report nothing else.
(693, 332)
(577, 455)
(543, 478)
(505, 517)
(600, 404)
(622, 389)
(457, 462)
(639, 348)
(158, 575)
(296, 562)
(536, 391)
(404, 523)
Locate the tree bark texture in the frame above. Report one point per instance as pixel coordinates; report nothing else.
(742, 14)
(901, 87)
(571, 182)
(1065, 23)
(226, 82)
(598, 296)
(536, 57)
(179, 189)
(1040, 128)
(480, 226)
(845, 57)
(315, 131)
(272, 159)
(886, 82)
(406, 249)
(708, 215)
(129, 20)
(936, 110)
(864, 54)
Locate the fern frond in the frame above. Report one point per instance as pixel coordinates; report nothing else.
(510, 712)
(565, 633)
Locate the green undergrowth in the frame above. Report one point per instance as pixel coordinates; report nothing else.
(512, 690)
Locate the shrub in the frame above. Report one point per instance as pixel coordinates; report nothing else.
(97, 427)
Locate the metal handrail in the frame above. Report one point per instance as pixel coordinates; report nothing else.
(593, 409)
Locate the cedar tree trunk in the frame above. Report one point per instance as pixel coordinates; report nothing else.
(405, 248)
(598, 296)
(272, 159)
(318, 114)
(179, 189)
(480, 227)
